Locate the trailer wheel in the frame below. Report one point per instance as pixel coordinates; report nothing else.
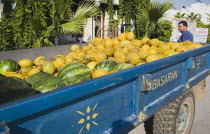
(177, 117)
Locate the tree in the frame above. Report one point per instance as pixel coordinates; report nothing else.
(180, 15)
(208, 17)
(193, 16)
(153, 14)
(35, 23)
(62, 21)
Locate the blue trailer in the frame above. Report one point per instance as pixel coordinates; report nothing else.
(115, 103)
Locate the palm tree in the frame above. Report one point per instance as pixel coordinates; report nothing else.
(154, 13)
(180, 15)
(61, 21)
(208, 17)
(193, 16)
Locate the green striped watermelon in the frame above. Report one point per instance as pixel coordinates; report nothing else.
(8, 66)
(13, 88)
(122, 66)
(37, 76)
(75, 80)
(107, 65)
(48, 84)
(74, 70)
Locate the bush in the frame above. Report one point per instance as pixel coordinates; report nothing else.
(163, 30)
(16, 30)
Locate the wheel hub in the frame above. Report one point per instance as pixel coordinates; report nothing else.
(183, 119)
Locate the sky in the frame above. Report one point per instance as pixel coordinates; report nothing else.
(179, 3)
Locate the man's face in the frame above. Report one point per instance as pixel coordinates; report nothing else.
(182, 28)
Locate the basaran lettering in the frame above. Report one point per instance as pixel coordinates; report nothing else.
(160, 81)
(154, 84)
(169, 76)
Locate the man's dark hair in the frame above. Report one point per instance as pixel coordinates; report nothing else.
(184, 23)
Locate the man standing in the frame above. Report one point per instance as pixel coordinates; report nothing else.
(186, 35)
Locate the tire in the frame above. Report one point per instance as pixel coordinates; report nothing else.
(177, 117)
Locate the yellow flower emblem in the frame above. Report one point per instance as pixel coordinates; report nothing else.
(87, 118)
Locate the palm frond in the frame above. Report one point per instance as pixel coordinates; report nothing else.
(85, 10)
(156, 10)
(72, 27)
(153, 13)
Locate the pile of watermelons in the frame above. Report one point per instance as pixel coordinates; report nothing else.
(15, 87)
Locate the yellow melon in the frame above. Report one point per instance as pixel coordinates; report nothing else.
(197, 45)
(100, 56)
(122, 37)
(130, 36)
(49, 67)
(33, 71)
(154, 42)
(108, 43)
(25, 63)
(59, 57)
(56, 74)
(142, 55)
(91, 65)
(166, 52)
(25, 70)
(75, 48)
(133, 58)
(125, 50)
(146, 41)
(145, 47)
(185, 43)
(137, 43)
(118, 52)
(8, 74)
(124, 43)
(39, 60)
(120, 58)
(85, 58)
(111, 58)
(99, 73)
(152, 51)
(151, 58)
(100, 46)
(58, 63)
(109, 51)
(141, 62)
(115, 41)
(85, 48)
(96, 41)
(71, 59)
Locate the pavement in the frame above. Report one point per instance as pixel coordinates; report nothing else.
(201, 124)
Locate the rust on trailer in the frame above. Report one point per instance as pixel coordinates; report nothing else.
(142, 116)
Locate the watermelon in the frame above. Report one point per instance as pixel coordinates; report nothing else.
(75, 80)
(74, 70)
(13, 88)
(122, 66)
(1, 76)
(107, 65)
(48, 84)
(8, 66)
(37, 76)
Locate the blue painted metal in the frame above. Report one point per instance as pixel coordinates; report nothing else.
(111, 103)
